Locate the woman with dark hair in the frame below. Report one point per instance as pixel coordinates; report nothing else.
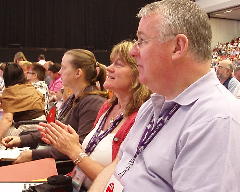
(78, 72)
(13, 74)
(20, 98)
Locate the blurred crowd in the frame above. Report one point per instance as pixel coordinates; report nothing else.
(229, 50)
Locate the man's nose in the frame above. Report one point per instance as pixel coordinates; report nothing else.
(134, 51)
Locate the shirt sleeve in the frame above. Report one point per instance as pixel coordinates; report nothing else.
(207, 157)
(30, 140)
(48, 152)
(58, 86)
(84, 116)
(87, 113)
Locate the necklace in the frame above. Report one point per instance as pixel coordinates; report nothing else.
(114, 118)
(97, 137)
(116, 114)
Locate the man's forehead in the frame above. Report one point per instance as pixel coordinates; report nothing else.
(224, 63)
(148, 25)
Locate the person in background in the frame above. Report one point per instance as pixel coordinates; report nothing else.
(62, 97)
(2, 86)
(6, 122)
(41, 59)
(25, 65)
(20, 98)
(47, 64)
(59, 100)
(56, 82)
(113, 122)
(47, 78)
(36, 76)
(186, 136)
(19, 56)
(78, 72)
(237, 73)
(224, 72)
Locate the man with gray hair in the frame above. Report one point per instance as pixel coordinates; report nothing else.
(186, 136)
(224, 72)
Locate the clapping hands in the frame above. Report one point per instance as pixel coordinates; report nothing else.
(63, 137)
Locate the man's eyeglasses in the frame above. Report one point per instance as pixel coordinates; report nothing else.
(140, 42)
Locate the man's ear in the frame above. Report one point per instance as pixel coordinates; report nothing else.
(180, 46)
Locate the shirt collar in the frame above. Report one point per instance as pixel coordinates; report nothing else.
(189, 95)
(197, 89)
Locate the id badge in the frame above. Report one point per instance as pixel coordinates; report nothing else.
(114, 185)
(77, 178)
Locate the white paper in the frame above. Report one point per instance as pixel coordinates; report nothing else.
(11, 154)
(16, 187)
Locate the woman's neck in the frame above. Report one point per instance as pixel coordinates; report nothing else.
(78, 90)
(123, 100)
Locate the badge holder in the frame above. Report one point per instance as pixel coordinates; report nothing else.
(77, 178)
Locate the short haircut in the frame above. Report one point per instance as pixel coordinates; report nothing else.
(183, 17)
(228, 64)
(55, 67)
(39, 70)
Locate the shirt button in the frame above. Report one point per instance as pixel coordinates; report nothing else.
(115, 139)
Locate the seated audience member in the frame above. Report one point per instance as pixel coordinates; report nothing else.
(228, 50)
(114, 120)
(41, 59)
(20, 98)
(56, 81)
(36, 76)
(19, 56)
(237, 73)
(46, 66)
(2, 86)
(5, 122)
(26, 65)
(78, 72)
(56, 84)
(61, 97)
(225, 76)
(186, 136)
